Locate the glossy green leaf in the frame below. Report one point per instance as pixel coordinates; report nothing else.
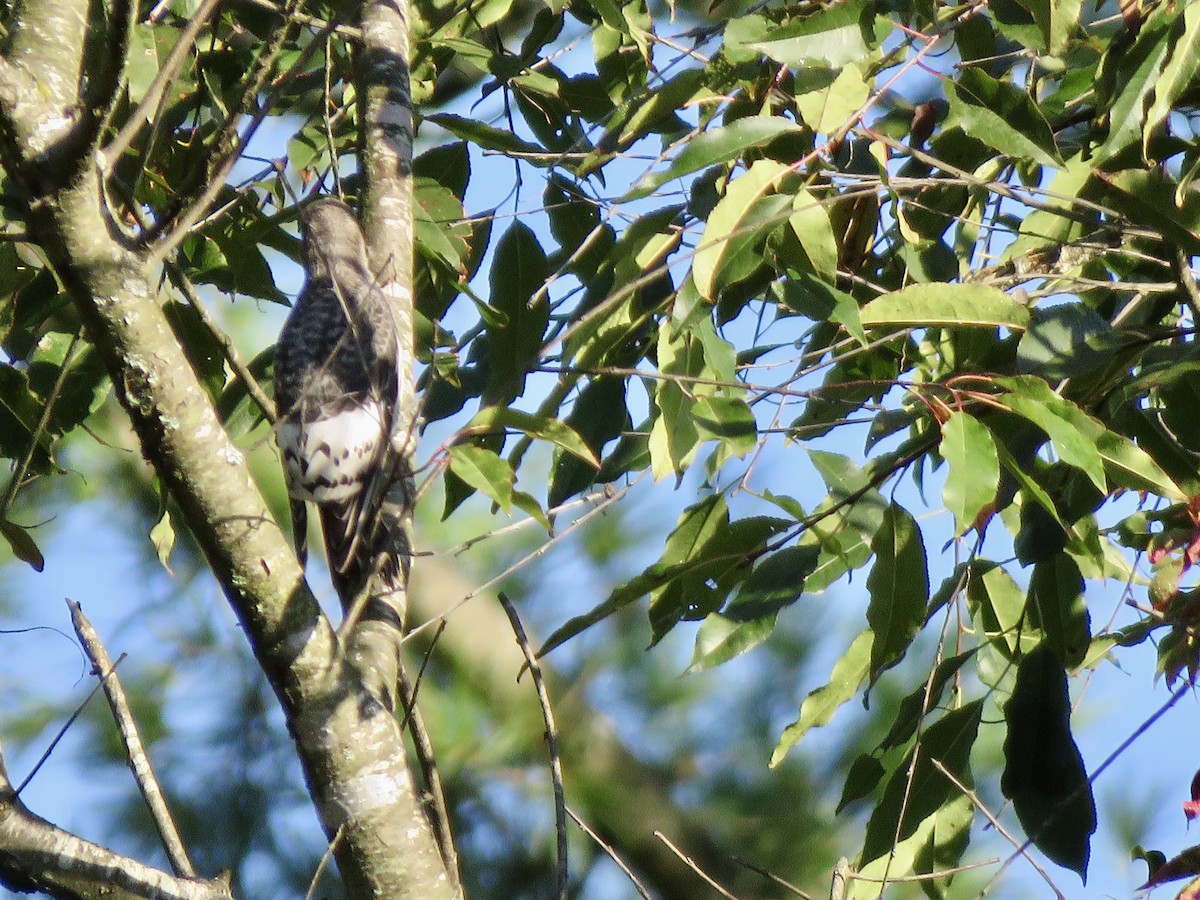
(974, 474)
(483, 470)
(1002, 116)
(748, 210)
(498, 418)
(899, 588)
(1044, 775)
(918, 789)
(818, 707)
(997, 607)
(720, 145)
(809, 221)
(1178, 74)
(1124, 462)
(923, 305)
(1075, 446)
(1139, 71)
(832, 37)
(726, 419)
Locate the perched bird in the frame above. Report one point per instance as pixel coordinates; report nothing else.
(336, 384)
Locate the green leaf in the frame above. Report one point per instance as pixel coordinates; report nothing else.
(1065, 341)
(485, 471)
(915, 706)
(497, 418)
(1123, 461)
(974, 475)
(749, 618)
(1153, 200)
(918, 789)
(1177, 75)
(809, 221)
(726, 419)
(1138, 72)
(488, 137)
(1001, 116)
(923, 305)
(23, 546)
(518, 272)
(720, 145)
(818, 707)
(717, 550)
(1056, 599)
(899, 588)
(829, 108)
(821, 302)
(1074, 446)
(836, 35)
(997, 608)
(598, 416)
(862, 778)
(1044, 775)
(743, 216)
(162, 536)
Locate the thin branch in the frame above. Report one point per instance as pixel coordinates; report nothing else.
(1187, 280)
(39, 430)
(612, 854)
(131, 737)
(322, 864)
(539, 683)
(1022, 848)
(63, 730)
(687, 860)
(766, 873)
(174, 62)
(228, 348)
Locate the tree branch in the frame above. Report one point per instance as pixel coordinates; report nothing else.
(36, 855)
(353, 758)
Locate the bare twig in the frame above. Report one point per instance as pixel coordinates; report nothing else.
(539, 683)
(767, 873)
(324, 861)
(62, 731)
(612, 854)
(135, 750)
(690, 863)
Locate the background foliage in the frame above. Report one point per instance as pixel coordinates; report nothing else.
(828, 268)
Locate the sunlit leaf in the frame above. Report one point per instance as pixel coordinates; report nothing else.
(922, 305)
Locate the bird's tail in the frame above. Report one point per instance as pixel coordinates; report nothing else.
(369, 548)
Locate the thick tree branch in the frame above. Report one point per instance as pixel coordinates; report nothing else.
(38, 856)
(354, 760)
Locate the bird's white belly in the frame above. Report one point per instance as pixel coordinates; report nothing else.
(330, 459)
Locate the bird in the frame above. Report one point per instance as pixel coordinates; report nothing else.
(337, 403)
